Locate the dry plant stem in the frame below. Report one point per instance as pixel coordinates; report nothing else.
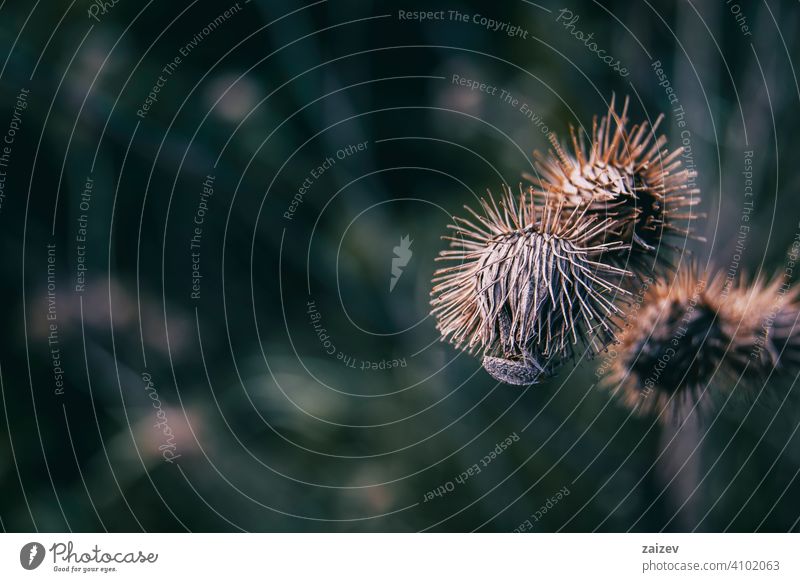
(677, 470)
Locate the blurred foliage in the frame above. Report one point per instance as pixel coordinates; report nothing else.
(273, 433)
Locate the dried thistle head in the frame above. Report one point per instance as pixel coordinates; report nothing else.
(625, 173)
(528, 284)
(767, 315)
(688, 331)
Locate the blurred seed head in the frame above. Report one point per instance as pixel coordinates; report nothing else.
(528, 284)
(627, 174)
(691, 331)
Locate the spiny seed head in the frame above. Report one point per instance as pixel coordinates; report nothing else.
(689, 331)
(625, 173)
(528, 283)
(767, 322)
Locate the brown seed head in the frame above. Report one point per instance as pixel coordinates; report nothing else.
(689, 332)
(625, 173)
(528, 282)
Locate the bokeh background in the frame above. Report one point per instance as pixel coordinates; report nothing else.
(296, 391)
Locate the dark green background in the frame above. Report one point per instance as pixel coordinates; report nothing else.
(274, 434)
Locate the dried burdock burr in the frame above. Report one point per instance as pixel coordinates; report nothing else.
(528, 284)
(629, 175)
(693, 336)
